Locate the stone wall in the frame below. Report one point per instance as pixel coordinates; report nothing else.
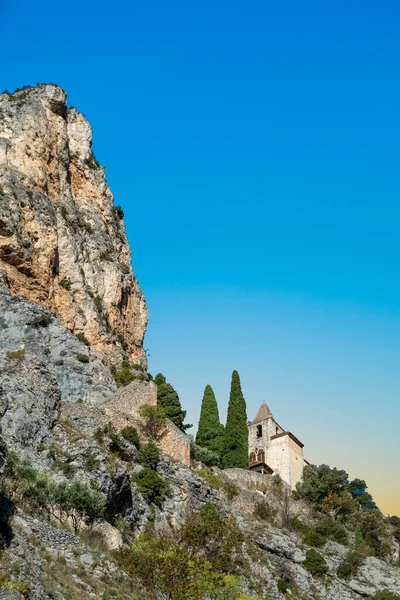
(122, 410)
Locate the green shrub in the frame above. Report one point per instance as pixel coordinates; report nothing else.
(264, 511)
(126, 373)
(63, 353)
(47, 351)
(150, 456)
(65, 283)
(315, 563)
(83, 358)
(312, 538)
(119, 212)
(98, 302)
(82, 338)
(99, 435)
(385, 595)
(122, 341)
(230, 489)
(131, 435)
(284, 585)
(151, 485)
(59, 362)
(199, 561)
(331, 529)
(91, 462)
(154, 420)
(297, 525)
(42, 321)
(213, 480)
(16, 354)
(349, 567)
(65, 467)
(204, 455)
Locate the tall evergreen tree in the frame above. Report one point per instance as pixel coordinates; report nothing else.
(168, 398)
(210, 433)
(236, 433)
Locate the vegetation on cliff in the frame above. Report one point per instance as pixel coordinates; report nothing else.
(236, 431)
(210, 432)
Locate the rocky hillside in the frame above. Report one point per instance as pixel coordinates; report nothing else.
(62, 240)
(90, 507)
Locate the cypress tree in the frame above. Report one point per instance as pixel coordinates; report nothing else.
(210, 433)
(236, 433)
(168, 399)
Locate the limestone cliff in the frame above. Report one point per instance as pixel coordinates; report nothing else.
(62, 241)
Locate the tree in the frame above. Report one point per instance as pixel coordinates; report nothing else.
(236, 434)
(168, 399)
(210, 433)
(358, 489)
(318, 482)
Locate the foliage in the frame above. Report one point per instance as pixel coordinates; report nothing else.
(236, 433)
(151, 485)
(42, 321)
(197, 562)
(395, 522)
(73, 501)
(331, 529)
(230, 489)
(385, 595)
(154, 417)
(82, 338)
(150, 456)
(122, 341)
(313, 538)
(213, 480)
(98, 302)
(16, 354)
(375, 532)
(65, 467)
(264, 511)
(119, 212)
(125, 374)
(349, 567)
(210, 433)
(131, 435)
(168, 399)
(65, 282)
(315, 563)
(330, 491)
(204, 455)
(83, 358)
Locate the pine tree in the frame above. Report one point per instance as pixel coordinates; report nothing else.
(168, 399)
(236, 433)
(210, 433)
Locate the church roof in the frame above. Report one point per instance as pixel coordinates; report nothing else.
(263, 413)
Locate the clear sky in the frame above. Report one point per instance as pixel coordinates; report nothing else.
(254, 147)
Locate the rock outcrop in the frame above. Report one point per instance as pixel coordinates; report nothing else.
(62, 240)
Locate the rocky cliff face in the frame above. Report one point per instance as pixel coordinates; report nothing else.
(62, 240)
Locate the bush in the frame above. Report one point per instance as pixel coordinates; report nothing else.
(213, 480)
(230, 489)
(199, 561)
(333, 530)
(375, 532)
(312, 538)
(264, 511)
(82, 338)
(126, 374)
(16, 354)
(315, 563)
(204, 455)
(385, 595)
(131, 435)
(350, 565)
(83, 358)
(42, 321)
(151, 485)
(65, 467)
(284, 585)
(122, 341)
(98, 304)
(155, 421)
(119, 212)
(150, 456)
(65, 282)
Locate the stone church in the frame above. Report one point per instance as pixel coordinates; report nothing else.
(273, 450)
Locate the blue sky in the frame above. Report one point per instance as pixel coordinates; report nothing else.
(255, 152)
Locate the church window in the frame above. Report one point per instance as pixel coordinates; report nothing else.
(261, 456)
(252, 457)
(259, 431)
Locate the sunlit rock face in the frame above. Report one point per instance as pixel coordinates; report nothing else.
(62, 242)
